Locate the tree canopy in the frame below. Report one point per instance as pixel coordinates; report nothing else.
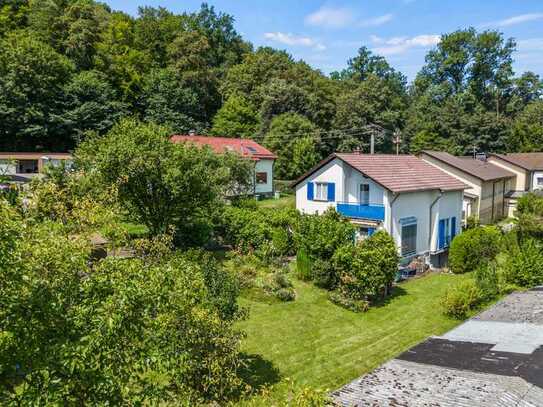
(74, 66)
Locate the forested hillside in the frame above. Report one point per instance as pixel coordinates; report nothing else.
(68, 67)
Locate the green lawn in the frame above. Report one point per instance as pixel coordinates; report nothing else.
(288, 201)
(321, 345)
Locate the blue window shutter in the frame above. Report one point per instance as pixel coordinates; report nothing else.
(453, 227)
(310, 193)
(331, 192)
(441, 234)
(371, 231)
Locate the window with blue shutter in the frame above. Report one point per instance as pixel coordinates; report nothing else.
(453, 227)
(331, 192)
(441, 234)
(310, 191)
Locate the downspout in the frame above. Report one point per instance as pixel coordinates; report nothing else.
(503, 199)
(394, 197)
(430, 223)
(493, 200)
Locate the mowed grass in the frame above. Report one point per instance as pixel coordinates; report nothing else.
(288, 201)
(318, 344)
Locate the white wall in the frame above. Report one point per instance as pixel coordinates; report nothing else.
(520, 183)
(417, 204)
(267, 167)
(536, 175)
(347, 181)
(331, 172)
(7, 167)
(353, 179)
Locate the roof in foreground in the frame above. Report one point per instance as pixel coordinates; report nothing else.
(480, 169)
(244, 147)
(397, 173)
(528, 161)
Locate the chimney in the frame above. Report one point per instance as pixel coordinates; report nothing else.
(192, 132)
(357, 150)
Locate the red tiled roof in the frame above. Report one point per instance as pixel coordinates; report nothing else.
(397, 173)
(528, 161)
(483, 170)
(244, 147)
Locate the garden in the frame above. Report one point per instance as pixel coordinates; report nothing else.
(227, 301)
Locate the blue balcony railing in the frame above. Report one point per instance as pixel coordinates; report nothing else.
(361, 211)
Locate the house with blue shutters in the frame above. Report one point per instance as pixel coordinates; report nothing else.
(419, 205)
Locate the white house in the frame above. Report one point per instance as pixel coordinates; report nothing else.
(489, 184)
(528, 169)
(21, 167)
(263, 158)
(419, 205)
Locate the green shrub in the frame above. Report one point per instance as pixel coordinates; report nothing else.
(474, 247)
(253, 273)
(324, 274)
(303, 265)
(286, 294)
(340, 299)
(266, 232)
(530, 203)
(486, 279)
(367, 269)
(459, 300)
(472, 222)
(281, 279)
(524, 267)
(321, 235)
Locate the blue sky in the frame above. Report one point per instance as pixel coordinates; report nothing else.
(326, 34)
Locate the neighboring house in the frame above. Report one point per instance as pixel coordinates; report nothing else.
(21, 167)
(419, 205)
(488, 184)
(528, 168)
(262, 157)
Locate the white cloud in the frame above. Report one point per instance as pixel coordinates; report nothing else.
(399, 45)
(294, 40)
(330, 17)
(376, 21)
(523, 18)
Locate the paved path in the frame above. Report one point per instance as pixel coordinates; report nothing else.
(493, 359)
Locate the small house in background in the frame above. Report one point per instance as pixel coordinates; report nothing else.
(486, 197)
(246, 148)
(528, 169)
(419, 205)
(22, 167)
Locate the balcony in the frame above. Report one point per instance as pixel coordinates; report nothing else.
(362, 211)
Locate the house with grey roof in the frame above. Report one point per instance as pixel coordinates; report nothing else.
(419, 205)
(486, 198)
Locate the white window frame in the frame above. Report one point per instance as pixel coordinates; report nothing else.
(539, 181)
(321, 191)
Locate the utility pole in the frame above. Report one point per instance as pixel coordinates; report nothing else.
(372, 141)
(397, 140)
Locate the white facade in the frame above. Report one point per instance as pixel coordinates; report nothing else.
(8, 167)
(537, 180)
(419, 211)
(264, 166)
